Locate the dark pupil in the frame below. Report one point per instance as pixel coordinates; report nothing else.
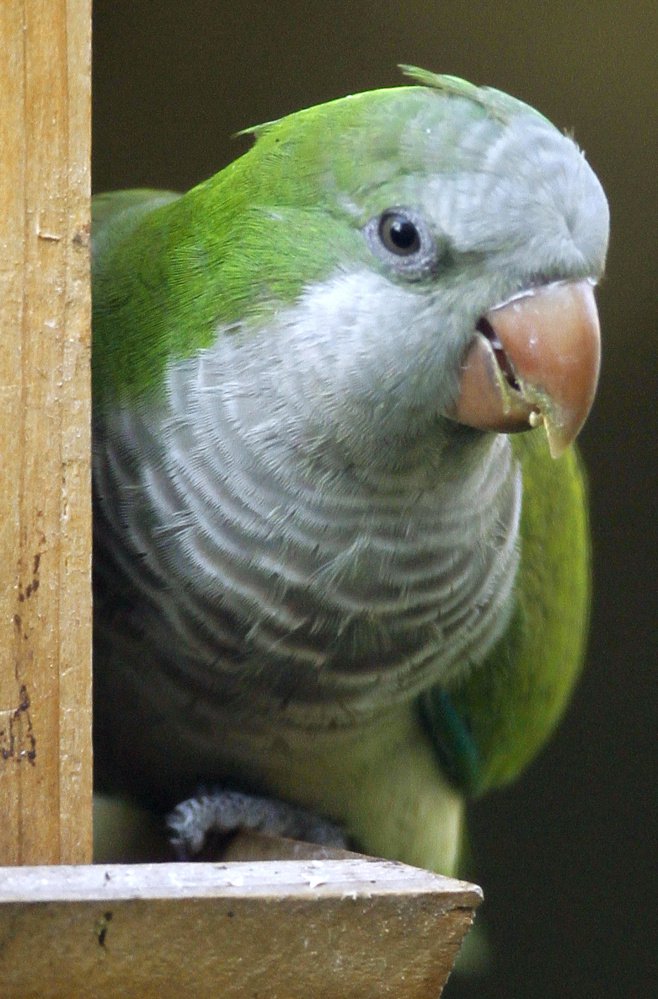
(400, 234)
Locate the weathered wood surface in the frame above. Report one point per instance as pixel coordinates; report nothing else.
(336, 929)
(45, 616)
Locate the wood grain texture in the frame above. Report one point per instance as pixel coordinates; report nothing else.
(45, 617)
(336, 929)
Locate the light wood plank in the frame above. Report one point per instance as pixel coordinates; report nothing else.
(45, 620)
(282, 929)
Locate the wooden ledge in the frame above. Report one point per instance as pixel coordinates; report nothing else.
(285, 929)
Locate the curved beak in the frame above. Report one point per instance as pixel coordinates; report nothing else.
(534, 360)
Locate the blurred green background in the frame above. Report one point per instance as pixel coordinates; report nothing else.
(567, 856)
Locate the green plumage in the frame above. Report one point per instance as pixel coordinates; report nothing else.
(281, 490)
(169, 268)
(491, 723)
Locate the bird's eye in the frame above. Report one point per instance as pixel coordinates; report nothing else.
(399, 234)
(404, 242)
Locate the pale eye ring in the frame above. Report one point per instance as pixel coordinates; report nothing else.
(404, 242)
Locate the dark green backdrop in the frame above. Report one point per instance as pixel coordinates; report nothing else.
(564, 856)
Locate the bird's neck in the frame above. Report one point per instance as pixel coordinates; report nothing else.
(348, 587)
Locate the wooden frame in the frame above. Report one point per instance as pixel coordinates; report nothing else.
(283, 929)
(327, 924)
(45, 597)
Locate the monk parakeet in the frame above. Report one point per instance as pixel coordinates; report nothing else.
(330, 567)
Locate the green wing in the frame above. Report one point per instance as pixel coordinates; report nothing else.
(487, 727)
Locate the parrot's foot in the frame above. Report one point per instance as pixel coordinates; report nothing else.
(223, 812)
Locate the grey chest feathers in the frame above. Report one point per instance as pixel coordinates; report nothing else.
(248, 575)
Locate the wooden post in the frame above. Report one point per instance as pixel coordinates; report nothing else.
(45, 601)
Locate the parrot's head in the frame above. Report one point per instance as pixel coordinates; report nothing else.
(421, 260)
